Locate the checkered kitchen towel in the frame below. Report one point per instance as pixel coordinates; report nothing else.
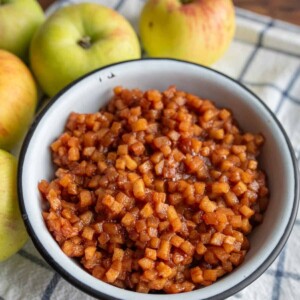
(265, 56)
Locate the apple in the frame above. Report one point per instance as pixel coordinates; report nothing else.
(13, 234)
(19, 19)
(18, 99)
(199, 31)
(77, 39)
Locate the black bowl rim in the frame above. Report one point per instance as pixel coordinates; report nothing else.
(95, 293)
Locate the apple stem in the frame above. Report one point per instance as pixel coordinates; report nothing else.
(186, 1)
(85, 42)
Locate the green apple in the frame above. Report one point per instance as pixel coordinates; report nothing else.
(77, 39)
(19, 19)
(199, 31)
(18, 99)
(13, 234)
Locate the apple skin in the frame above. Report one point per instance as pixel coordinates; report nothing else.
(199, 31)
(13, 234)
(57, 58)
(18, 99)
(19, 19)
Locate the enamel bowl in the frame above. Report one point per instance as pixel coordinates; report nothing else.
(89, 93)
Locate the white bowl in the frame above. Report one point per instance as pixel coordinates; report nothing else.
(90, 92)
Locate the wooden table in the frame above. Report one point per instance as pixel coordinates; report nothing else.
(286, 10)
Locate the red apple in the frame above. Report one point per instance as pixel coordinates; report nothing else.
(18, 99)
(199, 31)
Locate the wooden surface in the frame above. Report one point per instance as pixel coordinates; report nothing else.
(286, 10)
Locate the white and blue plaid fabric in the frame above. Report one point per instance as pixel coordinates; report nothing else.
(265, 56)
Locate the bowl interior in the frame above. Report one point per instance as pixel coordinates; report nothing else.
(92, 92)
